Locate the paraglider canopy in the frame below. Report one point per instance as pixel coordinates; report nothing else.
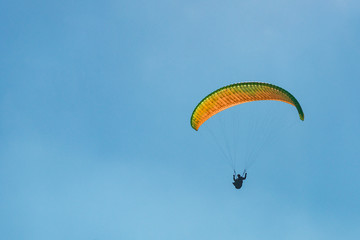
(239, 93)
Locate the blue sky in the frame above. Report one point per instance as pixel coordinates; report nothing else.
(95, 103)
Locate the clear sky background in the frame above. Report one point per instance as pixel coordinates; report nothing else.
(95, 106)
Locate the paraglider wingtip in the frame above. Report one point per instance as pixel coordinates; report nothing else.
(194, 127)
(301, 115)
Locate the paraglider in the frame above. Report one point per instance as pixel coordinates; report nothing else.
(239, 93)
(235, 94)
(239, 180)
